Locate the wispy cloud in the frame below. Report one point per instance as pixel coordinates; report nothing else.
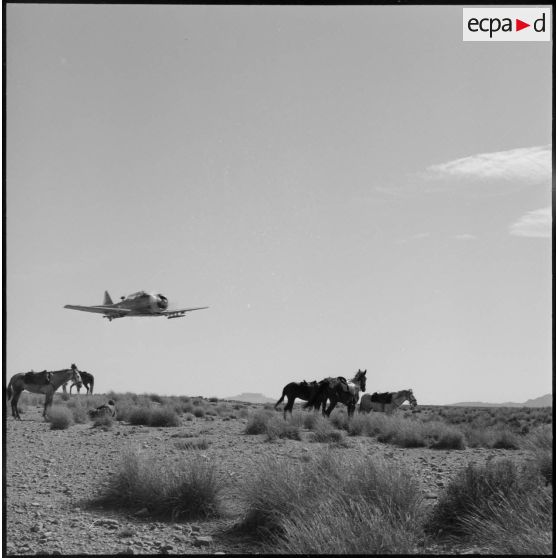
(528, 165)
(535, 224)
(484, 174)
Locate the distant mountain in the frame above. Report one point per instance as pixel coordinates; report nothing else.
(251, 398)
(543, 401)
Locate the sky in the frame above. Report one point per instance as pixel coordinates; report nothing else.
(346, 187)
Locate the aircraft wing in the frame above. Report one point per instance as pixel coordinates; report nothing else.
(180, 313)
(114, 312)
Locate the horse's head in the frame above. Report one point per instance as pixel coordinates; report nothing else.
(411, 398)
(360, 378)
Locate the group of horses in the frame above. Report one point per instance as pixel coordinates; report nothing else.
(316, 394)
(339, 390)
(46, 382)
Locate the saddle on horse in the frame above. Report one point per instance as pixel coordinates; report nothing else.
(37, 378)
(342, 383)
(381, 397)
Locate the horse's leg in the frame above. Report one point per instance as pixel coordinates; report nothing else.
(49, 395)
(15, 399)
(332, 404)
(288, 407)
(351, 409)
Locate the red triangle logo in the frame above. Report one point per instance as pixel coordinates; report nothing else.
(519, 25)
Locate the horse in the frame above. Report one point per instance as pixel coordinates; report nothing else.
(303, 390)
(87, 379)
(386, 402)
(40, 382)
(339, 390)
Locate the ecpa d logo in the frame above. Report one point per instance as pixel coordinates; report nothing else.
(507, 24)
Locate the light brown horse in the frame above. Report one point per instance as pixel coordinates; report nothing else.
(40, 382)
(386, 402)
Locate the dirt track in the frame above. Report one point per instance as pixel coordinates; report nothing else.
(51, 474)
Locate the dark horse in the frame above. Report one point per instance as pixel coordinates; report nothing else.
(339, 390)
(39, 382)
(87, 379)
(301, 390)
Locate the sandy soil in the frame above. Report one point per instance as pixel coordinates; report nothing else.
(52, 474)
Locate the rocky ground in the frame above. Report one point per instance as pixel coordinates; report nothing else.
(52, 475)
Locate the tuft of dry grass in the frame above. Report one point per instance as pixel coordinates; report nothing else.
(519, 524)
(169, 490)
(328, 504)
(324, 431)
(153, 416)
(278, 428)
(60, 417)
(479, 492)
(258, 421)
(105, 422)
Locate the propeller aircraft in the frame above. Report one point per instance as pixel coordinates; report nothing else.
(136, 304)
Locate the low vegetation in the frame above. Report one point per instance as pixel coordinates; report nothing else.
(166, 489)
(502, 506)
(329, 505)
(60, 417)
(321, 502)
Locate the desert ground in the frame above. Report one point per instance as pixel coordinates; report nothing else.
(53, 475)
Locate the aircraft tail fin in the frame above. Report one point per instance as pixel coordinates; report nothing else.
(107, 299)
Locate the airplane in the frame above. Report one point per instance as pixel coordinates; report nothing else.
(136, 304)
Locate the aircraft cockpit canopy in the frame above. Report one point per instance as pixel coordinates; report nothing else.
(138, 295)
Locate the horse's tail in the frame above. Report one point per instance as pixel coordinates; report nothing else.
(280, 399)
(91, 384)
(9, 391)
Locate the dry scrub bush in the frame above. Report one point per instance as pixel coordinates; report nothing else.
(518, 524)
(296, 418)
(338, 526)
(60, 417)
(104, 422)
(339, 417)
(164, 416)
(257, 422)
(278, 428)
(310, 419)
(331, 505)
(78, 410)
(169, 490)
(199, 411)
(540, 441)
(483, 491)
(150, 416)
(494, 437)
(139, 415)
(324, 431)
(406, 431)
